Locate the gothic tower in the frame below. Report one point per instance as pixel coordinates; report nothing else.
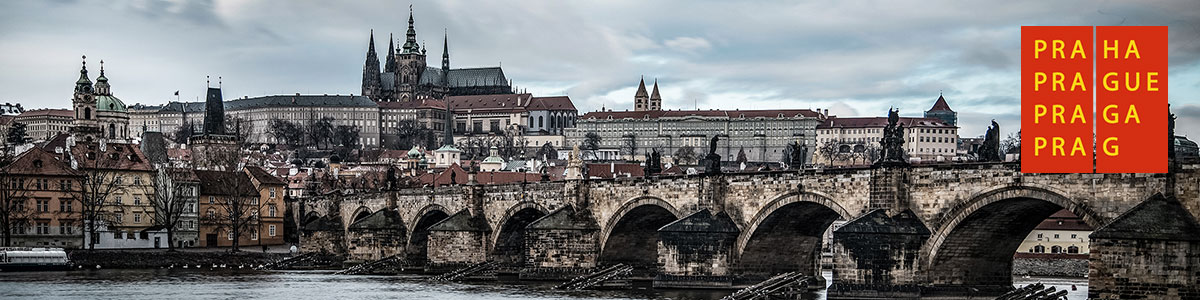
(446, 59)
(390, 66)
(655, 99)
(641, 99)
(370, 81)
(410, 64)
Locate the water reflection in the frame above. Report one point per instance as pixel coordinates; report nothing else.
(192, 284)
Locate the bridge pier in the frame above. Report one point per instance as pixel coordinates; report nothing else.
(1151, 251)
(459, 241)
(875, 256)
(697, 251)
(561, 245)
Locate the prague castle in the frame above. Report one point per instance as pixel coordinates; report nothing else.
(406, 75)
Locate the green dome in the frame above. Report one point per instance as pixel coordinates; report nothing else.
(493, 159)
(414, 153)
(109, 103)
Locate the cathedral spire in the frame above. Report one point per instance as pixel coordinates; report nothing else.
(654, 94)
(641, 92)
(370, 79)
(83, 84)
(410, 43)
(446, 52)
(390, 65)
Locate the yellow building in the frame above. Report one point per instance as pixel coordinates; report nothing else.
(1061, 233)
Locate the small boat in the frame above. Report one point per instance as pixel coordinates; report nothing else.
(33, 259)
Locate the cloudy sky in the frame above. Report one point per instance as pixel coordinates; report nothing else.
(852, 57)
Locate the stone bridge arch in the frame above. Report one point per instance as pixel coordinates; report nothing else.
(634, 226)
(359, 213)
(418, 232)
(508, 234)
(786, 235)
(972, 244)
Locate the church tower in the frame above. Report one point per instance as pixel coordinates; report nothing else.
(86, 126)
(410, 65)
(641, 100)
(655, 99)
(370, 81)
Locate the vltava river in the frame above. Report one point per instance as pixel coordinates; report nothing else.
(192, 284)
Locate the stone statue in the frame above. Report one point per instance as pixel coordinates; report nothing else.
(712, 161)
(653, 163)
(893, 141)
(712, 145)
(990, 150)
(798, 153)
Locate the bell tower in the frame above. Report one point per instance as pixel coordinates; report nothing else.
(86, 127)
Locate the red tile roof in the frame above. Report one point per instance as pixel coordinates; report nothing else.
(263, 177)
(786, 113)
(414, 104)
(66, 113)
(880, 122)
(124, 157)
(38, 161)
(551, 103)
(940, 105)
(489, 103)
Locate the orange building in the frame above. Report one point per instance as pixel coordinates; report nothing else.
(256, 199)
(43, 212)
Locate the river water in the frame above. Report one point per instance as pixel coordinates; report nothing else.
(185, 284)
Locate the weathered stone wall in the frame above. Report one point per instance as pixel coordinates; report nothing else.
(1144, 269)
(333, 242)
(374, 244)
(560, 253)
(449, 249)
(695, 259)
(1054, 267)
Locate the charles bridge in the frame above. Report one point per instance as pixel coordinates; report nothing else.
(911, 231)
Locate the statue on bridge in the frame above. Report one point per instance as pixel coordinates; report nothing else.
(990, 150)
(653, 163)
(712, 161)
(893, 141)
(797, 153)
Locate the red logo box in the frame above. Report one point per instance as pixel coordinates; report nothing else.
(1056, 99)
(1131, 99)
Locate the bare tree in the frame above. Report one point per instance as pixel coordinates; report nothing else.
(320, 132)
(287, 132)
(547, 151)
(685, 155)
(591, 144)
(239, 210)
(239, 127)
(1011, 143)
(630, 145)
(829, 150)
(181, 134)
(100, 179)
(167, 197)
(521, 146)
(14, 209)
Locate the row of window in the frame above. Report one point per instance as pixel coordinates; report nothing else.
(43, 228)
(271, 231)
(1054, 249)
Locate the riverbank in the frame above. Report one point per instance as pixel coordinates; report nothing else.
(1051, 265)
(156, 259)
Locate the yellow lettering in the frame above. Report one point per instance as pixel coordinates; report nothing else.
(1058, 114)
(1078, 50)
(1078, 83)
(1058, 82)
(1078, 147)
(1106, 114)
(1078, 115)
(1108, 48)
(1057, 51)
(1150, 81)
(1111, 150)
(1038, 79)
(1038, 144)
(1038, 47)
(1058, 147)
(1132, 50)
(1107, 81)
(1038, 111)
(1132, 114)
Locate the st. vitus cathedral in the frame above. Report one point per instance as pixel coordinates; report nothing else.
(406, 76)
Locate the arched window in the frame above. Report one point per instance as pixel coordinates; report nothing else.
(1073, 249)
(1038, 249)
(540, 122)
(1056, 249)
(87, 113)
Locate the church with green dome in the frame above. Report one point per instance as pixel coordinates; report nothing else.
(98, 114)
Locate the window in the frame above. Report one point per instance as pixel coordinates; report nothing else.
(43, 227)
(137, 200)
(211, 213)
(1056, 249)
(271, 230)
(212, 200)
(43, 205)
(137, 179)
(1073, 236)
(229, 235)
(1038, 249)
(271, 211)
(65, 227)
(65, 205)
(254, 234)
(1073, 249)
(1056, 235)
(272, 193)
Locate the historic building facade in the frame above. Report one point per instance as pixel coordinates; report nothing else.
(406, 75)
(43, 212)
(43, 124)
(763, 135)
(855, 140)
